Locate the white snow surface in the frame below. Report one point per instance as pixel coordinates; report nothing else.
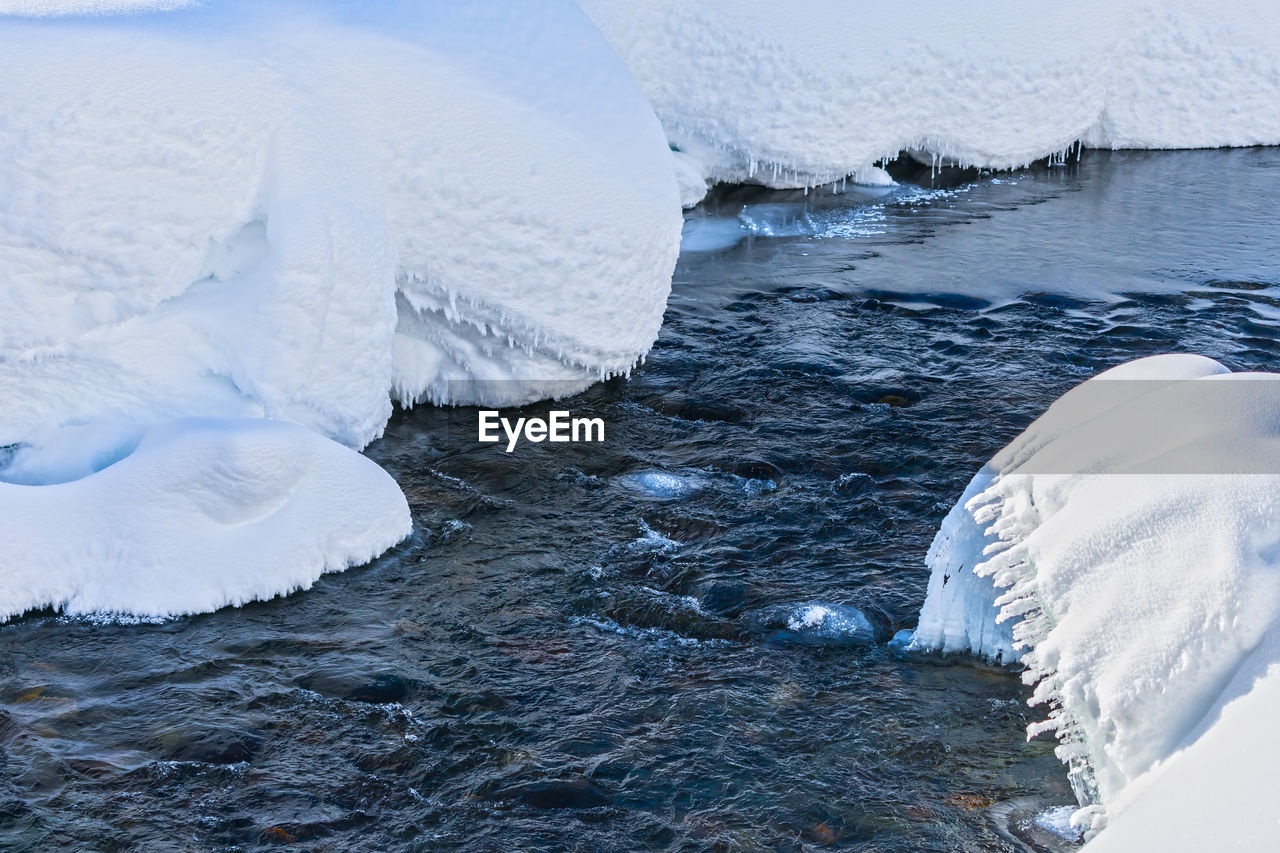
(1127, 547)
(1219, 792)
(292, 212)
(186, 517)
(298, 210)
(818, 90)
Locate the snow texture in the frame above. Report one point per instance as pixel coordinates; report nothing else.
(1219, 792)
(823, 89)
(297, 210)
(187, 517)
(292, 212)
(1126, 545)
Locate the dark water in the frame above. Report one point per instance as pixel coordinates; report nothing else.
(573, 653)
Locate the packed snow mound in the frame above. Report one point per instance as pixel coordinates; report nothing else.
(824, 89)
(186, 517)
(297, 210)
(1219, 792)
(1127, 547)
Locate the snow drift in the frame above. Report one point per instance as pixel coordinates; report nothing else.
(1127, 547)
(186, 517)
(292, 211)
(296, 210)
(823, 89)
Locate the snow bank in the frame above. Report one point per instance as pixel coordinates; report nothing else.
(823, 89)
(293, 211)
(296, 210)
(187, 517)
(1127, 544)
(1219, 792)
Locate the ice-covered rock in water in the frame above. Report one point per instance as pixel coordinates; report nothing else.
(823, 89)
(187, 517)
(301, 210)
(1127, 547)
(662, 485)
(833, 621)
(819, 623)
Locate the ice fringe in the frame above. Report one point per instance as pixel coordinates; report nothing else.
(1125, 547)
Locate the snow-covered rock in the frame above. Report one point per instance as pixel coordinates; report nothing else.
(187, 517)
(816, 90)
(1127, 547)
(292, 211)
(299, 210)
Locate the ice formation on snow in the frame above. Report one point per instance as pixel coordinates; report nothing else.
(1127, 548)
(825, 89)
(662, 485)
(185, 517)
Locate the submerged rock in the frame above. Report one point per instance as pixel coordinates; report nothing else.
(219, 746)
(556, 794)
(378, 689)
